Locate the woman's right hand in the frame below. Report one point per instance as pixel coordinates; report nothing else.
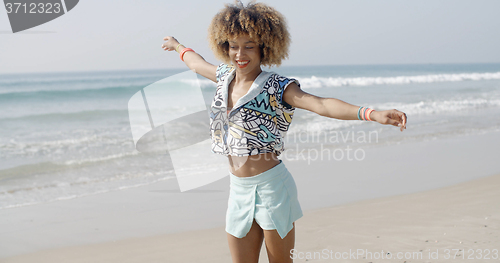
(193, 60)
(170, 43)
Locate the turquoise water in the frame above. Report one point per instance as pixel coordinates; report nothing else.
(65, 135)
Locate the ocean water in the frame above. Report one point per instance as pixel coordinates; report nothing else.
(68, 135)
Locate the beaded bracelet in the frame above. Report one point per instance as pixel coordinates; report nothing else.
(364, 114)
(184, 51)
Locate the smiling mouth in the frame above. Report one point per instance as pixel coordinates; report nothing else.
(243, 63)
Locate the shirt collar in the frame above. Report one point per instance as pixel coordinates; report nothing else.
(255, 89)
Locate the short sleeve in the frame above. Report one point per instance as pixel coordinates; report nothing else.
(222, 70)
(283, 84)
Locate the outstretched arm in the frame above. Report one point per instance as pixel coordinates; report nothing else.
(193, 60)
(335, 108)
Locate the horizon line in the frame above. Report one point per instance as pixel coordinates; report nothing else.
(283, 66)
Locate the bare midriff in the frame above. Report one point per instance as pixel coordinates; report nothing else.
(247, 166)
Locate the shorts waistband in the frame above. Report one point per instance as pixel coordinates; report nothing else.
(259, 178)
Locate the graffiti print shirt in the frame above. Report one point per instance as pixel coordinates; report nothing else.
(258, 121)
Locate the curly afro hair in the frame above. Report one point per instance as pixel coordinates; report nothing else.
(262, 23)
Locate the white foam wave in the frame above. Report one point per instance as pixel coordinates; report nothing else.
(48, 146)
(318, 82)
(433, 107)
(34, 199)
(101, 159)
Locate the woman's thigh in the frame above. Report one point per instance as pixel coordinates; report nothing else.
(246, 249)
(278, 250)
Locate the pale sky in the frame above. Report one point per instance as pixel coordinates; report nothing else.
(126, 34)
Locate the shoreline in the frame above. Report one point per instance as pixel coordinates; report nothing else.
(462, 216)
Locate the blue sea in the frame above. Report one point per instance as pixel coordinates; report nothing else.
(68, 135)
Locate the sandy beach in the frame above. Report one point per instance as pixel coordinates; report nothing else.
(460, 222)
(411, 212)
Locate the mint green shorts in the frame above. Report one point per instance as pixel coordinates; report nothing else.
(270, 197)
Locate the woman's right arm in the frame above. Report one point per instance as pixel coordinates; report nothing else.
(193, 60)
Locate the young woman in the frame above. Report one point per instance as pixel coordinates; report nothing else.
(249, 117)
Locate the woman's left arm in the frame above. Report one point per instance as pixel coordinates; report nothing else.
(335, 108)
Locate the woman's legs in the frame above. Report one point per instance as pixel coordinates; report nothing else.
(246, 249)
(278, 250)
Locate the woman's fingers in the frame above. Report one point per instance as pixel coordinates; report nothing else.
(169, 42)
(404, 120)
(397, 118)
(393, 117)
(394, 121)
(401, 119)
(164, 45)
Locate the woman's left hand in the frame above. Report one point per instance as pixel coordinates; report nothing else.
(392, 117)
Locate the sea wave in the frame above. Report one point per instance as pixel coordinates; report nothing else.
(52, 167)
(82, 87)
(306, 82)
(68, 116)
(319, 82)
(65, 92)
(25, 195)
(441, 106)
(17, 80)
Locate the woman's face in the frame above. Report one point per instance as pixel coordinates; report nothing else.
(244, 53)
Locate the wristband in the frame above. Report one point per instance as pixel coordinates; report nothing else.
(184, 51)
(368, 112)
(176, 48)
(364, 114)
